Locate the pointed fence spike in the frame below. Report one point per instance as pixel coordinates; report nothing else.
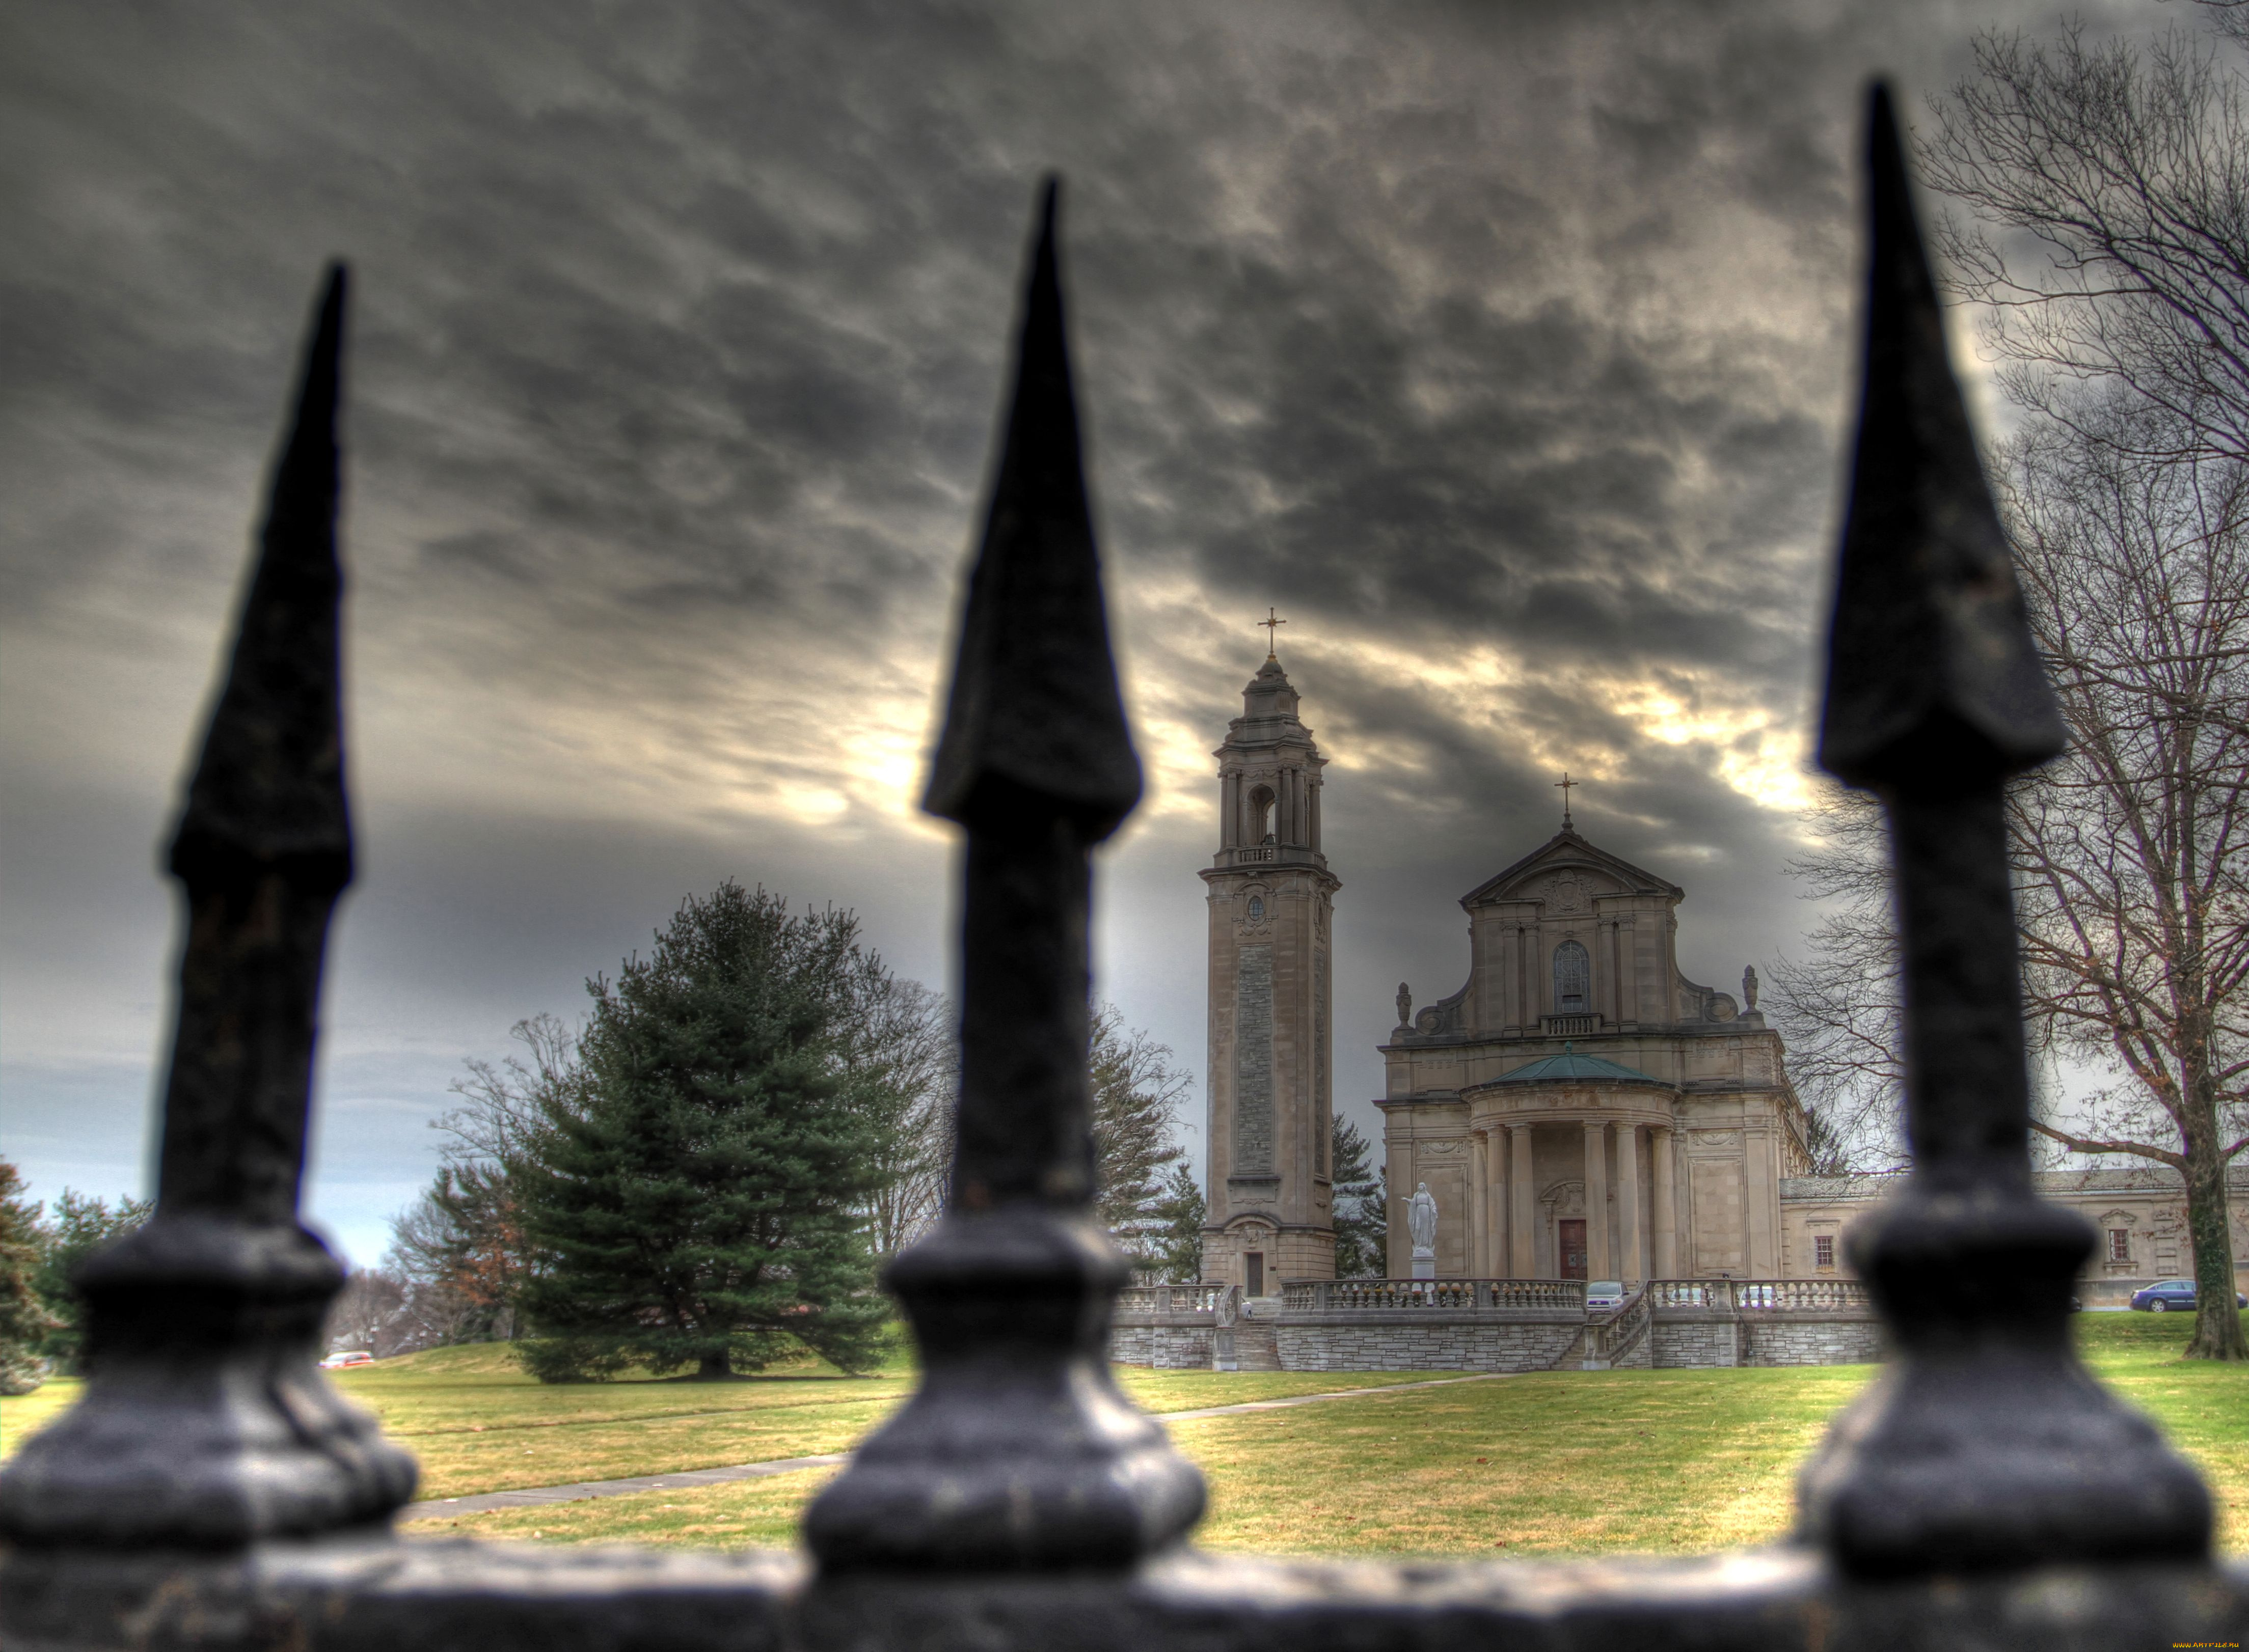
(204, 1423)
(1984, 1445)
(1035, 707)
(269, 786)
(1933, 677)
(1018, 1452)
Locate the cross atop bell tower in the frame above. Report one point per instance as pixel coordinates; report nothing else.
(1271, 906)
(1271, 625)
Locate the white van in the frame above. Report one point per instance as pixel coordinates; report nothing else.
(1604, 1293)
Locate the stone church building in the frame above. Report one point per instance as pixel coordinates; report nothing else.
(1578, 1109)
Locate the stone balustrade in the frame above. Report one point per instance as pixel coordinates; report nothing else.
(1811, 1294)
(1751, 1295)
(1340, 1296)
(1163, 1301)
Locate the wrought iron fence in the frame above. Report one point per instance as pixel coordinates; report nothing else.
(210, 1491)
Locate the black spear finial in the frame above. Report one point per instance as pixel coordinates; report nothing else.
(1035, 709)
(1018, 1452)
(265, 801)
(205, 1422)
(1930, 658)
(1985, 1443)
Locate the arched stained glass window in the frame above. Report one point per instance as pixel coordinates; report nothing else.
(1573, 979)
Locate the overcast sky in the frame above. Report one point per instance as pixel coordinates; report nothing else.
(1504, 349)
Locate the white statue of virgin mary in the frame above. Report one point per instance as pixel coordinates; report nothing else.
(1422, 1223)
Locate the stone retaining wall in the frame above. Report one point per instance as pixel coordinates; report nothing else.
(1467, 1339)
(1419, 1341)
(1704, 1340)
(1805, 1339)
(1164, 1346)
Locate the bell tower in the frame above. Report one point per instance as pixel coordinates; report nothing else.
(1271, 906)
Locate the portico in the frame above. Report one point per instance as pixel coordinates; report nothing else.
(1570, 1137)
(1658, 1157)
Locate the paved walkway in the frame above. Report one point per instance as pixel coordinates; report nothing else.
(539, 1496)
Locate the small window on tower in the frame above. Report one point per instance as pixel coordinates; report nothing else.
(1261, 814)
(1256, 908)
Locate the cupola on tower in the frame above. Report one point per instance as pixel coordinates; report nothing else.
(1271, 902)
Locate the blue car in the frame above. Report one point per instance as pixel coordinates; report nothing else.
(2165, 1295)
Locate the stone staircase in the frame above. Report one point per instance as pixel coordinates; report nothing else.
(1255, 1348)
(1243, 1339)
(1614, 1340)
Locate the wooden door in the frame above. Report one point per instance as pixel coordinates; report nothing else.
(1572, 1240)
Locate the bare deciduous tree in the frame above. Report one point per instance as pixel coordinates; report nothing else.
(2132, 850)
(1839, 1008)
(2106, 244)
(908, 1033)
(370, 1313)
(2107, 240)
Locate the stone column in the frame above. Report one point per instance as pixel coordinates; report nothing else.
(1523, 1242)
(1401, 1197)
(1665, 1217)
(1472, 1234)
(1596, 1202)
(1495, 1182)
(1629, 1264)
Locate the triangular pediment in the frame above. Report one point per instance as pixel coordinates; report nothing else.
(1599, 873)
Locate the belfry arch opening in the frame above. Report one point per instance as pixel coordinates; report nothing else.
(1261, 814)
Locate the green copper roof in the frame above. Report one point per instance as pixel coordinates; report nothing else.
(1571, 1065)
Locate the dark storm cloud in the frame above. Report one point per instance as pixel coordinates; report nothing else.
(1513, 332)
(728, 295)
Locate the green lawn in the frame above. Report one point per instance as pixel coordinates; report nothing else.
(1555, 1463)
(478, 1423)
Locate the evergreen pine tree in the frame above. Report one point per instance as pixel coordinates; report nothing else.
(698, 1200)
(1361, 1213)
(77, 1227)
(25, 1320)
(1180, 1210)
(1137, 1096)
